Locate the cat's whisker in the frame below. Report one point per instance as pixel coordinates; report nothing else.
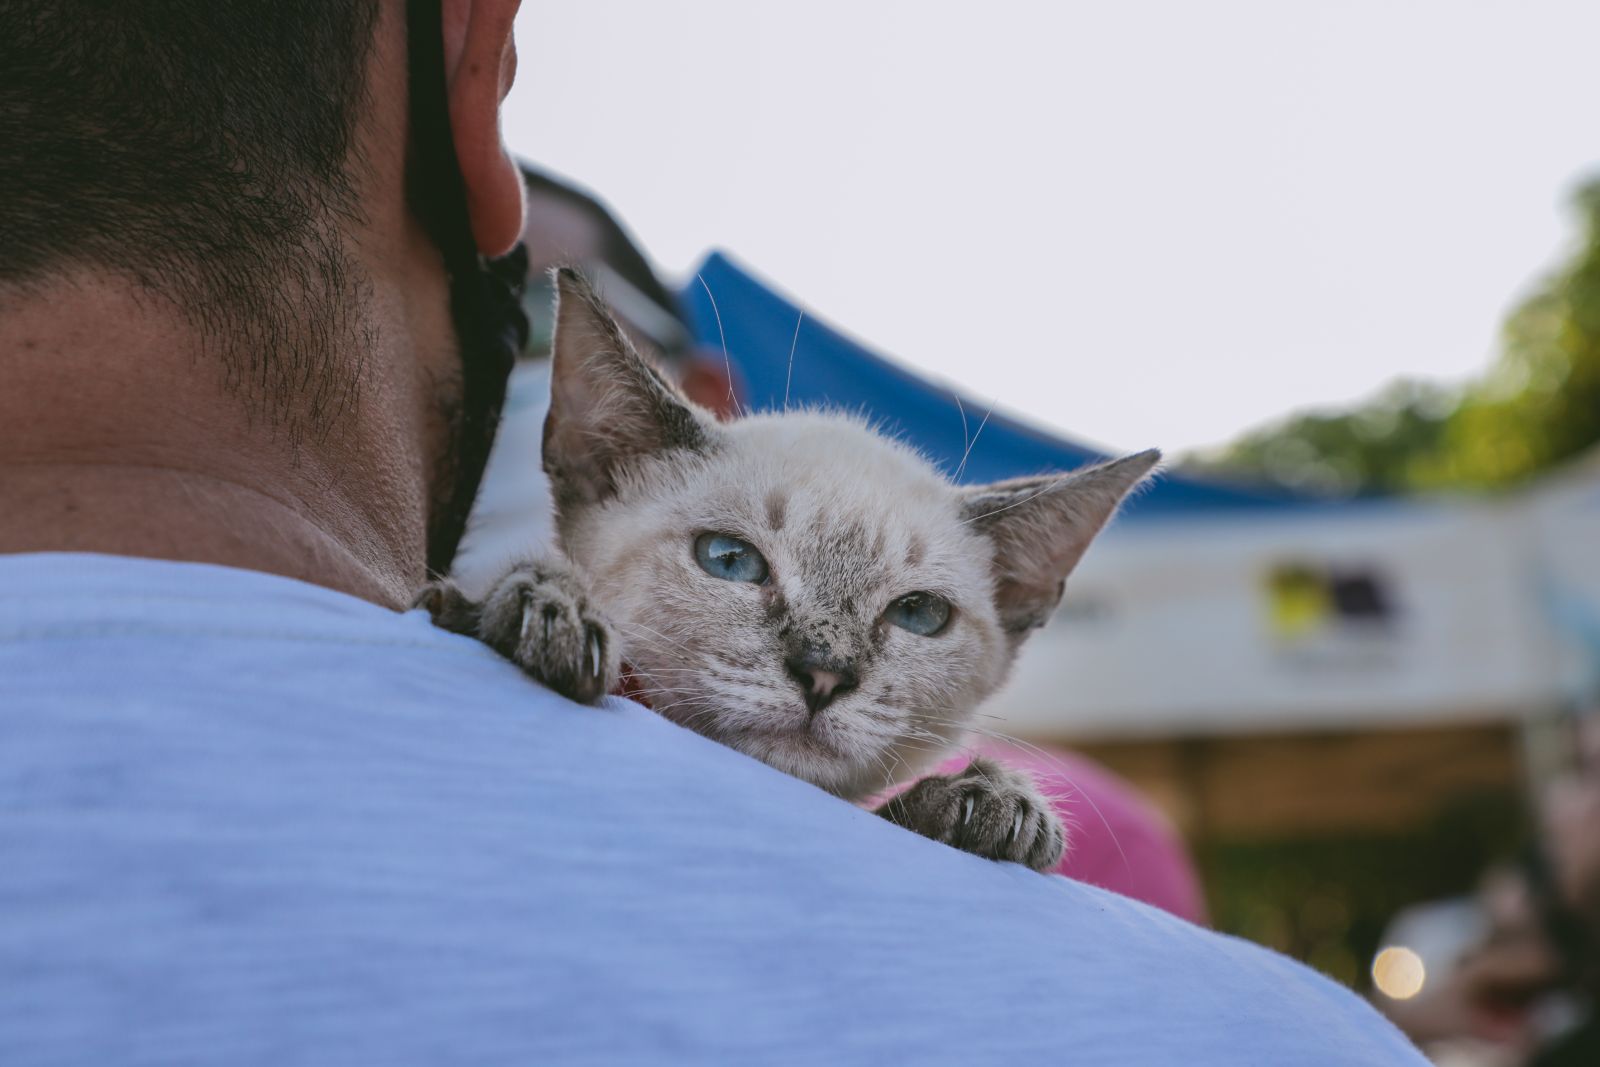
(727, 362)
(624, 626)
(974, 442)
(685, 720)
(688, 699)
(999, 735)
(662, 711)
(656, 684)
(966, 441)
(878, 760)
(635, 624)
(1051, 487)
(899, 762)
(788, 378)
(927, 745)
(662, 691)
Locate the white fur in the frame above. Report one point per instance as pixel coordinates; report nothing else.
(848, 521)
(709, 651)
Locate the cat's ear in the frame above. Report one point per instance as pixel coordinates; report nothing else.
(608, 404)
(1041, 527)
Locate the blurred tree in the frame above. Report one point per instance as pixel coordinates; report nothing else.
(1536, 407)
(1370, 449)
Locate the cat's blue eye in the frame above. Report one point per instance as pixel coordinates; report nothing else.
(729, 558)
(921, 613)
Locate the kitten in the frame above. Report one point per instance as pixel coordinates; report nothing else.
(792, 585)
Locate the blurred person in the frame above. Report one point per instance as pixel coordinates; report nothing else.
(251, 810)
(1565, 878)
(1478, 1003)
(1528, 993)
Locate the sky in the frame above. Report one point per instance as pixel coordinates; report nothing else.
(1138, 223)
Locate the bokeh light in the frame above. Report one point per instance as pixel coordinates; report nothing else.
(1398, 972)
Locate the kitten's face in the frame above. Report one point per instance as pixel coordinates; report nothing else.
(796, 586)
(804, 591)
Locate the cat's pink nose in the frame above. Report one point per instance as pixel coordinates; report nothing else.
(821, 682)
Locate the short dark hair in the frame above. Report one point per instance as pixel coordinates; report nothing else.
(202, 149)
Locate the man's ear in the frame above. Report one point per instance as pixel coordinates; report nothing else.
(608, 405)
(480, 63)
(1041, 527)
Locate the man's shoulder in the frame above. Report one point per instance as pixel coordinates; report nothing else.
(296, 798)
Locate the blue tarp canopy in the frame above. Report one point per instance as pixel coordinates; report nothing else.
(830, 369)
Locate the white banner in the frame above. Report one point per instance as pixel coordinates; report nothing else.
(1367, 613)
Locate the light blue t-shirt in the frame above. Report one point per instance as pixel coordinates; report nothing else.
(245, 820)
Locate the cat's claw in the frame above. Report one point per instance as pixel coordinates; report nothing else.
(539, 617)
(987, 809)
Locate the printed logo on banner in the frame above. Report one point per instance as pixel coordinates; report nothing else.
(1332, 616)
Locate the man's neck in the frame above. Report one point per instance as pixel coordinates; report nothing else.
(166, 513)
(118, 435)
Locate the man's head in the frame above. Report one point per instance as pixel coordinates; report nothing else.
(247, 167)
(203, 151)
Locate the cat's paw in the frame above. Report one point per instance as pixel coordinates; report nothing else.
(449, 607)
(539, 617)
(987, 809)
